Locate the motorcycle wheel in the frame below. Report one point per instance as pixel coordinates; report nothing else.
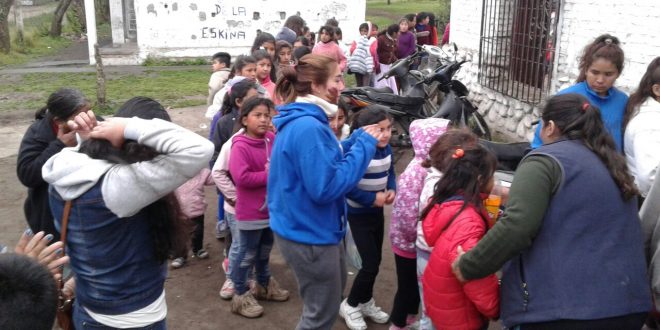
(478, 126)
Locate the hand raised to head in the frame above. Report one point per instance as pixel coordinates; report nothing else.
(83, 124)
(111, 130)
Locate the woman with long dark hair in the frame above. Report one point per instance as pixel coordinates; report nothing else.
(570, 232)
(124, 218)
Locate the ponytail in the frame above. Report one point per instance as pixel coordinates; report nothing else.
(62, 104)
(579, 120)
(297, 80)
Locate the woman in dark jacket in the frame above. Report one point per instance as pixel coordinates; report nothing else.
(46, 136)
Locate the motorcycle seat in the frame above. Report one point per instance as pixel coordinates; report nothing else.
(378, 90)
(394, 99)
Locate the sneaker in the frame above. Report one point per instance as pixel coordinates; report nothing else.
(178, 262)
(352, 316)
(227, 291)
(370, 310)
(272, 293)
(246, 305)
(225, 265)
(202, 254)
(221, 229)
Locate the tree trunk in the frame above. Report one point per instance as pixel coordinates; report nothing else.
(5, 40)
(18, 18)
(100, 78)
(56, 25)
(78, 8)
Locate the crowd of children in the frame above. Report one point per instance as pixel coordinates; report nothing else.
(343, 176)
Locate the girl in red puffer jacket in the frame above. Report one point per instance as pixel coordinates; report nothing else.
(455, 217)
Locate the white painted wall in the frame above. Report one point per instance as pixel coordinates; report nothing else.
(199, 28)
(636, 23)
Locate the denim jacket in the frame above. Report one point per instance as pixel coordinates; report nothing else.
(112, 257)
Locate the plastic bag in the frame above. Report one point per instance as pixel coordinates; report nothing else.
(352, 253)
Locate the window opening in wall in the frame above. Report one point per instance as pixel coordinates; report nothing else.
(130, 26)
(517, 47)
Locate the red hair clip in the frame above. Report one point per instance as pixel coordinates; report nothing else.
(585, 106)
(458, 153)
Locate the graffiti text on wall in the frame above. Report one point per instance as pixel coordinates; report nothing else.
(215, 33)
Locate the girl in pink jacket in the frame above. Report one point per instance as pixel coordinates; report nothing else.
(248, 165)
(329, 47)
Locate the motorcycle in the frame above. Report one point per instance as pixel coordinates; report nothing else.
(419, 89)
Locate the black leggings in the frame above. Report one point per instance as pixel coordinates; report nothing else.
(368, 230)
(406, 300)
(625, 322)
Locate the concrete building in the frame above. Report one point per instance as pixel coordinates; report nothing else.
(199, 28)
(525, 50)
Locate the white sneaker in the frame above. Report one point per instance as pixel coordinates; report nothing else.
(370, 310)
(227, 291)
(352, 316)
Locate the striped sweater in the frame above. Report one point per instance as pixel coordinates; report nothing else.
(378, 177)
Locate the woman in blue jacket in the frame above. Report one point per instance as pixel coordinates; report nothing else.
(308, 179)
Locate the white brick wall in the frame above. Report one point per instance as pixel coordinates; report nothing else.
(636, 23)
(181, 28)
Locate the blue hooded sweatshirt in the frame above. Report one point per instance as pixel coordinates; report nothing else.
(309, 176)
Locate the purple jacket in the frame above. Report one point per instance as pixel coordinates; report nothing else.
(405, 212)
(247, 166)
(406, 44)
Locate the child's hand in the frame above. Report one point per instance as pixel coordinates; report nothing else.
(111, 130)
(373, 130)
(380, 199)
(389, 197)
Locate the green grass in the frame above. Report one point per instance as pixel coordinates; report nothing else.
(176, 89)
(153, 61)
(379, 12)
(37, 43)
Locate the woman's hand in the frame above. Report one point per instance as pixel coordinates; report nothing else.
(83, 124)
(36, 246)
(454, 265)
(66, 135)
(111, 130)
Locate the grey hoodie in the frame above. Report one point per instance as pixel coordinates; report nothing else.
(127, 188)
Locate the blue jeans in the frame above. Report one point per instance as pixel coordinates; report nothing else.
(82, 320)
(422, 260)
(253, 251)
(235, 239)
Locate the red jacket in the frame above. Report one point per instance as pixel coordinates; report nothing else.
(449, 303)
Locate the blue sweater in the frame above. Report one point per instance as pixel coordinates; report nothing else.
(611, 108)
(309, 176)
(379, 177)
